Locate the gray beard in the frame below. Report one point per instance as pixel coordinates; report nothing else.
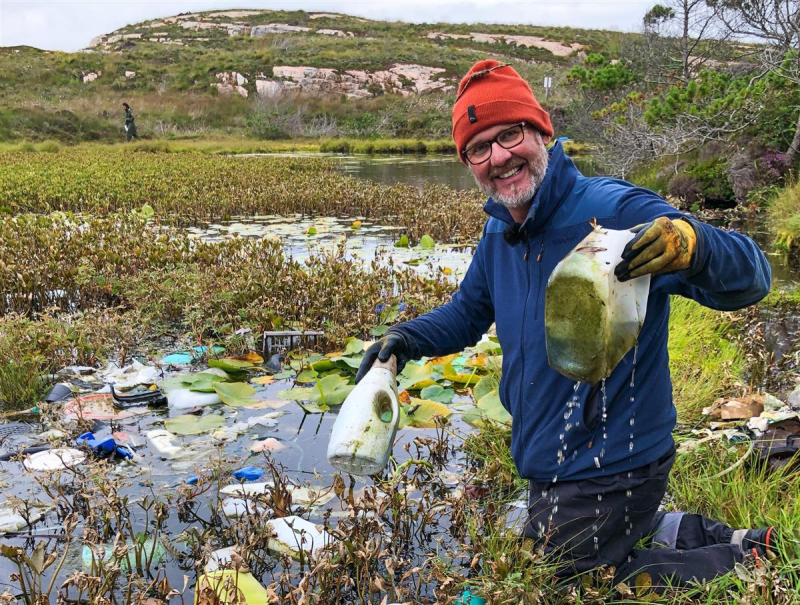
(538, 169)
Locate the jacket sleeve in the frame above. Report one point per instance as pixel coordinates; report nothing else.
(728, 271)
(459, 323)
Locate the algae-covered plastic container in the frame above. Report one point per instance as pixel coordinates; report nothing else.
(591, 318)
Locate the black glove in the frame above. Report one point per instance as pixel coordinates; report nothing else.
(393, 343)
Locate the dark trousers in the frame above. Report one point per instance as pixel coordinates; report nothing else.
(599, 521)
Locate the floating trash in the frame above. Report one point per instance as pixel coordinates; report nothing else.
(12, 521)
(294, 535)
(53, 460)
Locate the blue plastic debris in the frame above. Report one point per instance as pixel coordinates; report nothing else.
(467, 598)
(103, 448)
(185, 358)
(248, 473)
(192, 480)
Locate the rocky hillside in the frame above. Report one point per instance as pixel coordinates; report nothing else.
(236, 70)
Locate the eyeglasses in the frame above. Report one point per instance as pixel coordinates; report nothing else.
(507, 139)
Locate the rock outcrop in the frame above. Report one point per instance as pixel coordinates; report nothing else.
(404, 79)
(231, 82)
(558, 49)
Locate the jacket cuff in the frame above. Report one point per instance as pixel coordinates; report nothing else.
(699, 257)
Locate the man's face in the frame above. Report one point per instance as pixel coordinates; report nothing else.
(511, 176)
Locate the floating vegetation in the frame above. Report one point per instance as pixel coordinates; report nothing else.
(124, 260)
(190, 188)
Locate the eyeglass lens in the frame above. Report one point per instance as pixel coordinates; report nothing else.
(511, 137)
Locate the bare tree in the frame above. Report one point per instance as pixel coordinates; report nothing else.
(678, 37)
(631, 141)
(776, 23)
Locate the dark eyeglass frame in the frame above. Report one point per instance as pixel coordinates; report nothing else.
(521, 126)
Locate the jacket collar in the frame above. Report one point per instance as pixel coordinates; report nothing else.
(558, 182)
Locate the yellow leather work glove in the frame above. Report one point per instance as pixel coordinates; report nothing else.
(660, 246)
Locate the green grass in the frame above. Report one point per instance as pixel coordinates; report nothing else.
(783, 216)
(704, 363)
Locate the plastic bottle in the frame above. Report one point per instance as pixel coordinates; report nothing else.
(363, 434)
(591, 318)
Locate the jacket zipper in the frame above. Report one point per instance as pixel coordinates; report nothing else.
(539, 281)
(524, 315)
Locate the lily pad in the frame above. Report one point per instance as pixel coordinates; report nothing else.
(379, 330)
(284, 375)
(420, 413)
(189, 424)
(488, 409)
(236, 394)
(330, 390)
(402, 242)
(449, 373)
(354, 346)
(484, 387)
(427, 243)
(415, 377)
(230, 365)
(251, 357)
(437, 393)
(205, 384)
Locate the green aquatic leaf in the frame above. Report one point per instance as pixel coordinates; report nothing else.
(189, 424)
(437, 393)
(307, 376)
(484, 387)
(492, 409)
(205, 383)
(402, 242)
(414, 377)
(328, 391)
(354, 346)
(420, 413)
(235, 394)
(414, 262)
(285, 374)
(323, 365)
(427, 243)
(236, 366)
(449, 373)
(343, 362)
(379, 330)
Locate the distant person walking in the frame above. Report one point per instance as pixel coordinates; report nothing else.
(130, 124)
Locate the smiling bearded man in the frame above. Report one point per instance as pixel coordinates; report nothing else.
(525, 171)
(595, 492)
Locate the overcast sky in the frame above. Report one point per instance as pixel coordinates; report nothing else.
(70, 25)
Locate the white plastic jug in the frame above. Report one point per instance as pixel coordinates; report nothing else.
(591, 318)
(363, 434)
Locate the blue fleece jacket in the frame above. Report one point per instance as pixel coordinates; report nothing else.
(505, 284)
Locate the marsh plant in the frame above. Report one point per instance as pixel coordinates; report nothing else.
(88, 182)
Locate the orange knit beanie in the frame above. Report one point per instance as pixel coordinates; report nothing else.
(492, 94)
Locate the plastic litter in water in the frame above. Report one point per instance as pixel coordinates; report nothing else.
(248, 473)
(52, 460)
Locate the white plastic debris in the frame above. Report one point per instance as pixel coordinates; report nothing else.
(181, 399)
(300, 495)
(52, 460)
(237, 507)
(131, 375)
(591, 318)
(293, 535)
(11, 521)
(162, 441)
